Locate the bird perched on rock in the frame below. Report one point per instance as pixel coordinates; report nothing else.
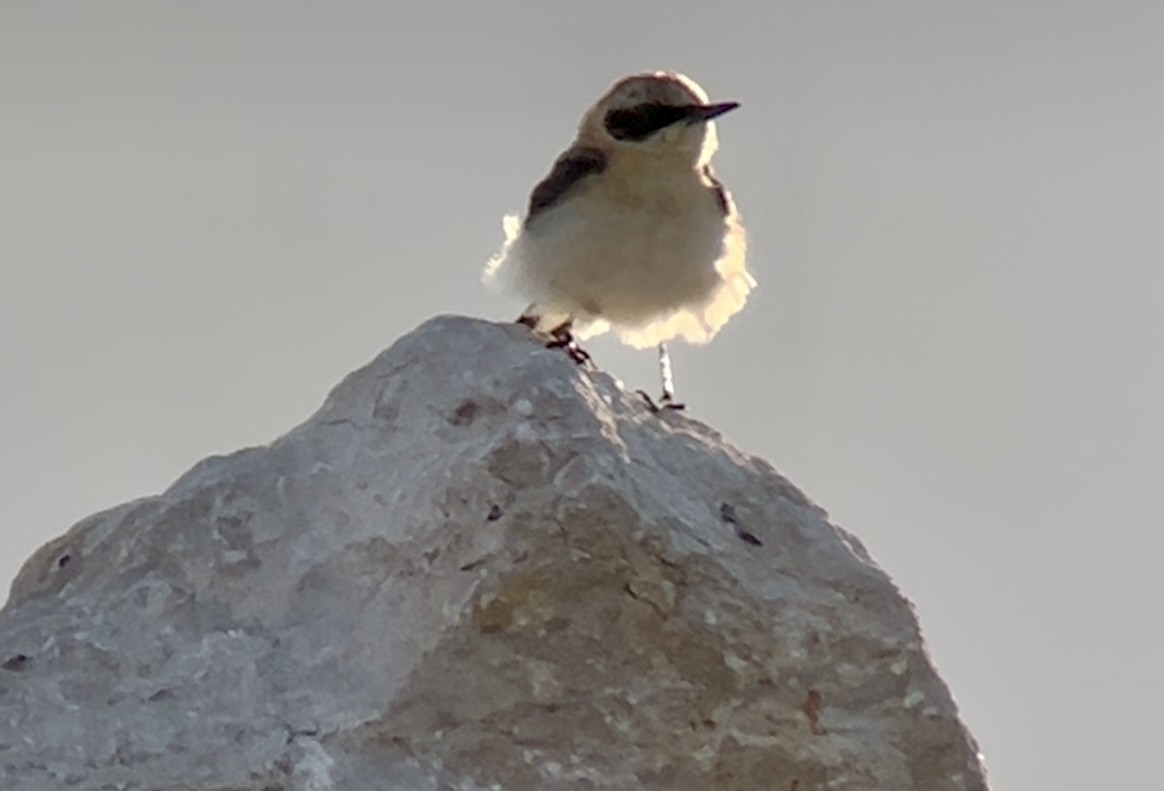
(631, 229)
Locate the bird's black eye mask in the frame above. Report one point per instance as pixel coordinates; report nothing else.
(643, 120)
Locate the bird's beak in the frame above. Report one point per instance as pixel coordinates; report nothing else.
(699, 113)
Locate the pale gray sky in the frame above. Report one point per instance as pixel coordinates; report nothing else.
(210, 212)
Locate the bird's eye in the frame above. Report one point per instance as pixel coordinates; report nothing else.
(643, 120)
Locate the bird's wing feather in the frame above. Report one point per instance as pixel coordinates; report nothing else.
(722, 196)
(569, 169)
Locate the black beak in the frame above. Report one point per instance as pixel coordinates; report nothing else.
(643, 120)
(700, 113)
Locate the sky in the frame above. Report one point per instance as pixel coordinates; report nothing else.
(211, 212)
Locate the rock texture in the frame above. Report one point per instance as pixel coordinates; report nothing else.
(478, 566)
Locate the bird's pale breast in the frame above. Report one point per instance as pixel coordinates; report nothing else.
(628, 249)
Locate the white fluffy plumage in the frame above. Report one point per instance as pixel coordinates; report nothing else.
(631, 229)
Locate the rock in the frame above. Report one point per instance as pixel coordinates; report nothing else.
(478, 566)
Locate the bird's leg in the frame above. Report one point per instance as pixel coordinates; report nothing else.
(666, 375)
(560, 336)
(667, 400)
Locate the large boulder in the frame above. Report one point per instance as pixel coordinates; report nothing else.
(478, 566)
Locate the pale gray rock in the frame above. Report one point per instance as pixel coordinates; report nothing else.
(478, 566)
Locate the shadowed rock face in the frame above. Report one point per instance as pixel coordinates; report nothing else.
(476, 567)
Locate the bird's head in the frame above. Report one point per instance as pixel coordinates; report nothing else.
(658, 112)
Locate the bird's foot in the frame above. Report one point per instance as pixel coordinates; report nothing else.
(566, 342)
(560, 338)
(666, 403)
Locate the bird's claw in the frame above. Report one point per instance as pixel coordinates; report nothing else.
(571, 347)
(560, 338)
(666, 403)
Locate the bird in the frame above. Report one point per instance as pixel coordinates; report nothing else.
(631, 230)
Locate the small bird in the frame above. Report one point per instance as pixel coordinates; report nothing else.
(630, 228)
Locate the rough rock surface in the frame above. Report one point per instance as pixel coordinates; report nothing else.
(478, 566)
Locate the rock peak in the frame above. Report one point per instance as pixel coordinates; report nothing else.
(477, 566)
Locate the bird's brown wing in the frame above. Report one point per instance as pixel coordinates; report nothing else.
(722, 196)
(572, 167)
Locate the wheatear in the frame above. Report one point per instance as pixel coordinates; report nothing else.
(631, 228)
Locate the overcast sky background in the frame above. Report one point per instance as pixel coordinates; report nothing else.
(210, 212)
